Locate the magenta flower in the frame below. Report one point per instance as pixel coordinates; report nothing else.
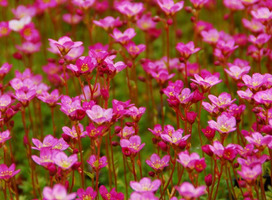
(4, 29)
(247, 95)
(253, 25)
(259, 140)
(143, 196)
(72, 107)
(260, 40)
(58, 192)
(50, 99)
(133, 144)
(4, 69)
(175, 137)
(73, 132)
(83, 4)
(224, 124)
(89, 194)
(4, 136)
(250, 174)
(145, 185)
(161, 75)
(157, 131)
(110, 195)
(207, 82)
(229, 152)
(234, 4)
(17, 25)
(252, 160)
(24, 97)
(123, 38)
(222, 101)
(108, 23)
(29, 47)
(130, 9)
(126, 132)
(63, 45)
(136, 113)
(187, 160)
(5, 101)
(211, 108)
(185, 96)
(158, 164)
(97, 164)
(84, 65)
(211, 36)
(7, 173)
(169, 7)
(254, 82)
(134, 50)
(262, 14)
(264, 97)
(186, 50)
(63, 161)
(146, 23)
(46, 157)
(236, 72)
(71, 19)
(188, 191)
(100, 115)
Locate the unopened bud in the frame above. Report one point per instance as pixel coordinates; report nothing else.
(208, 180)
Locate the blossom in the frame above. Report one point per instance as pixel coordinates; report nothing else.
(259, 140)
(88, 194)
(6, 172)
(108, 23)
(211, 36)
(73, 132)
(143, 196)
(24, 97)
(63, 161)
(254, 82)
(124, 37)
(175, 137)
(4, 29)
(29, 47)
(133, 144)
(158, 164)
(224, 124)
(99, 163)
(4, 136)
(130, 9)
(46, 157)
(72, 107)
(84, 65)
(146, 23)
(253, 25)
(188, 191)
(71, 19)
(50, 99)
(234, 4)
(198, 3)
(236, 72)
(262, 14)
(188, 160)
(207, 82)
(83, 4)
(63, 45)
(264, 97)
(5, 101)
(58, 192)
(169, 7)
(4, 69)
(134, 50)
(145, 185)
(17, 25)
(186, 50)
(250, 173)
(222, 101)
(110, 195)
(245, 94)
(99, 115)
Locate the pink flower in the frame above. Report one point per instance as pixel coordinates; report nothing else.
(5, 101)
(84, 65)
(133, 144)
(260, 40)
(225, 124)
(29, 47)
(46, 157)
(50, 99)
(85, 195)
(250, 173)
(175, 138)
(4, 69)
(222, 101)
(134, 50)
(264, 97)
(234, 4)
(73, 132)
(130, 9)
(7, 173)
(158, 164)
(186, 50)
(198, 4)
(24, 97)
(58, 192)
(236, 72)
(24, 11)
(83, 4)
(211, 36)
(72, 107)
(169, 7)
(253, 25)
(146, 23)
(187, 160)
(4, 136)
(188, 191)
(63, 161)
(17, 25)
(110, 195)
(123, 38)
(207, 82)
(254, 82)
(100, 115)
(145, 185)
(136, 113)
(108, 23)
(63, 45)
(97, 164)
(262, 14)
(71, 19)
(259, 140)
(247, 95)
(143, 196)
(4, 29)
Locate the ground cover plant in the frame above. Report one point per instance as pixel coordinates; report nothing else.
(139, 100)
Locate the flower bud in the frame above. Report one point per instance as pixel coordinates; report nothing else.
(156, 18)
(75, 151)
(115, 143)
(169, 22)
(66, 138)
(61, 61)
(163, 146)
(126, 151)
(17, 55)
(207, 150)
(208, 180)
(151, 173)
(76, 165)
(191, 116)
(52, 169)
